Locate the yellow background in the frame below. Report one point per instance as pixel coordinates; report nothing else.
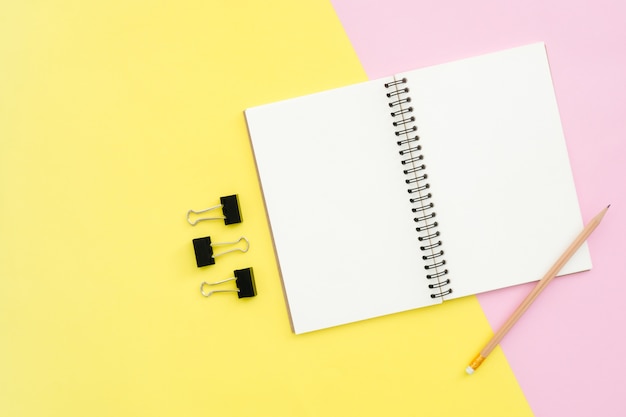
(116, 118)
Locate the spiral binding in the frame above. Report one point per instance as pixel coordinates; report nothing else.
(411, 157)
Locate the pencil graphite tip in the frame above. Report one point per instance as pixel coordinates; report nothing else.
(608, 206)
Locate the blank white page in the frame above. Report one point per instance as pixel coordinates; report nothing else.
(338, 206)
(498, 168)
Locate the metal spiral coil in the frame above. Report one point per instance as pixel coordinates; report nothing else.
(411, 157)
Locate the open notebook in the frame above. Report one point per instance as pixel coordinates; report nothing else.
(425, 186)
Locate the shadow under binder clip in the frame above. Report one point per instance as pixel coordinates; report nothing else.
(203, 248)
(230, 211)
(244, 279)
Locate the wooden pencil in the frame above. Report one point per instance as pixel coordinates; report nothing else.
(541, 285)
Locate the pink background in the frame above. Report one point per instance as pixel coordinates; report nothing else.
(568, 350)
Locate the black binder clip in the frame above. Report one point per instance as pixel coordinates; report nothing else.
(244, 279)
(203, 248)
(230, 211)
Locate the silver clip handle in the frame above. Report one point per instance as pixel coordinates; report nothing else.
(200, 219)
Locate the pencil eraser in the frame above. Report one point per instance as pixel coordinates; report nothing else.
(469, 370)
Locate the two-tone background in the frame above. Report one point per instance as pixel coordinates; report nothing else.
(117, 117)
